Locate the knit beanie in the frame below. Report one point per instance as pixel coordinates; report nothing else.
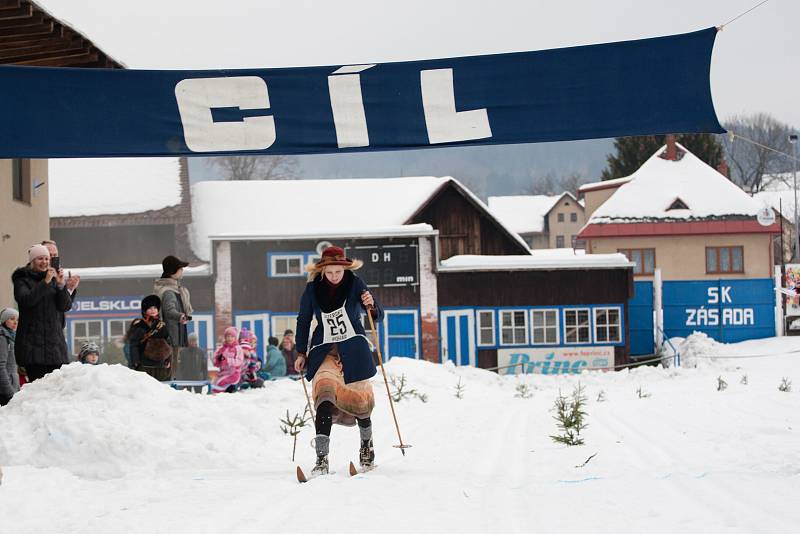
(8, 313)
(232, 331)
(37, 251)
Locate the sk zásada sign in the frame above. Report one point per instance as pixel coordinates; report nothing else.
(649, 86)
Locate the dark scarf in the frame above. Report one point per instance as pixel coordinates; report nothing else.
(331, 297)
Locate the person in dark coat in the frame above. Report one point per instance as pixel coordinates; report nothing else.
(176, 306)
(43, 297)
(9, 378)
(338, 358)
(149, 329)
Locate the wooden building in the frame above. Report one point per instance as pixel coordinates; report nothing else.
(114, 221)
(30, 36)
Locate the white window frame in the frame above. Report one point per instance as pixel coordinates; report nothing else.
(590, 327)
(275, 330)
(545, 328)
(607, 326)
(274, 258)
(481, 327)
(125, 324)
(500, 326)
(73, 338)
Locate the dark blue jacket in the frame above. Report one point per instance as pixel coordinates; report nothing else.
(356, 353)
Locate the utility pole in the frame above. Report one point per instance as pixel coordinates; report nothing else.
(793, 141)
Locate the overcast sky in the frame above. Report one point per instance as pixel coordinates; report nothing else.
(754, 67)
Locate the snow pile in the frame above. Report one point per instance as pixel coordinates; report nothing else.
(698, 350)
(111, 451)
(105, 421)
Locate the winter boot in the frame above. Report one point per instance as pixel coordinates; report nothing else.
(322, 443)
(366, 454)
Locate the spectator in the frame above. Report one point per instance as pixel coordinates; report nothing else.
(252, 364)
(9, 379)
(89, 353)
(275, 363)
(148, 341)
(43, 297)
(176, 307)
(193, 361)
(229, 358)
(55, 262)
(288, 350)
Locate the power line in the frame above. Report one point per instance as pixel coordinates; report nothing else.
(722, 26)
(733, 135)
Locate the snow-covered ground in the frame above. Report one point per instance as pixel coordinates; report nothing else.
(105, 450)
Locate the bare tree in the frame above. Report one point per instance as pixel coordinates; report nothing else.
(749, 163)
(257, 167)
(550, 185)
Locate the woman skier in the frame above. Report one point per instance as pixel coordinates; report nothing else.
(338, 360)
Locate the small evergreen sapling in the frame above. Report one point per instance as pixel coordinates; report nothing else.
(571, 417)
(400, 392)
(642, 393)
(743, 380)
(785, 385)
(601, 397)
(292, 427)
(523, 391)
(721, 384)
(460, 388)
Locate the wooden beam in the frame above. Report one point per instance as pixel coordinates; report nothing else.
(65, 61)
(52, 43)
(45, 54)
(13, 22)
(12, 42)
(11, 4)
(27, 29)
(43, 34)
(14, 11)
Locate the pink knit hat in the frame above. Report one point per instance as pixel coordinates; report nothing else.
(232, 331)
(37, 251)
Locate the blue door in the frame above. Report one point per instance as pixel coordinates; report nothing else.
(257, 323)
(402, 334)
(458, 337)
(640, 308)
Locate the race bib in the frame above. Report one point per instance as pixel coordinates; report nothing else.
(337, 326)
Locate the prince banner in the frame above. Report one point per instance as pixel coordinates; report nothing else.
(649, 86)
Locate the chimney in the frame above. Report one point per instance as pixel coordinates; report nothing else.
(672, 151)
(723, 169)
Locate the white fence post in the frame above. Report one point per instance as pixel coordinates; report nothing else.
(658, 308)
(780, 324)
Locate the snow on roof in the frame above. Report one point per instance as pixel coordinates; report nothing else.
(135, 271)
(782, 201)
(294, 209)
(544, 259)
(110, 186)
(297, 208)
(523, 213)
(659, 182)
(605, 184)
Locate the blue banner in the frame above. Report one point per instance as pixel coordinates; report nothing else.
(727, 310)
(649, 86)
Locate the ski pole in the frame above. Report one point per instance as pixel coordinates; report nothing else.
(402, 446)
(308, 399)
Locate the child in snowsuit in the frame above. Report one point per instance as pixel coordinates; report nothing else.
(252, 364)
(229, 358)
(148, 342)
(275, 364)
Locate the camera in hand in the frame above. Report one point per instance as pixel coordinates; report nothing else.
(55, 262)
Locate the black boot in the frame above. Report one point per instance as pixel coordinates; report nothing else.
(366, 454)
